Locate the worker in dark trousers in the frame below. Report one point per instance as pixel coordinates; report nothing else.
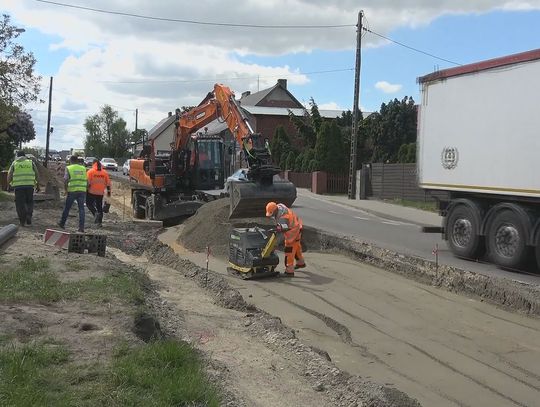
(98, 181)
(76, 183)
(23, 177)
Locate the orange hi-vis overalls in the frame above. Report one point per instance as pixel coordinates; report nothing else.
(291, 225)
(98, 181)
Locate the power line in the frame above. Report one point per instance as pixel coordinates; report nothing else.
(196, 22)
(228, 79)
(411, 48)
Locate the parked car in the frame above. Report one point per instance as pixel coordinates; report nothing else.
(109, 164)
(238, 176)
(125, 168)
(88, 161)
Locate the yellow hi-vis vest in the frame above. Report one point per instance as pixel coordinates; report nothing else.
(23, 174)
(77, 178)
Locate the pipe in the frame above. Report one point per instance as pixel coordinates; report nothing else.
(7, 232)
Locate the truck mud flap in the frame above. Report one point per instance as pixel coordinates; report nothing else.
(249, 199)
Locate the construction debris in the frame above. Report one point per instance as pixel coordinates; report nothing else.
(76, 242)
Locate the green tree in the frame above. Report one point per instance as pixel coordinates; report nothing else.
(330, 152)
(106, 134)
(407, 153)
(308, 125)
(309, 156)
(393, 126)
(291, 160)
(280, 146)
(19, 85)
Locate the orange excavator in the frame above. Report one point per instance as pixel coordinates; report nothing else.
(176, 185)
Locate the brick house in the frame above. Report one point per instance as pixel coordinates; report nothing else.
(269, 108)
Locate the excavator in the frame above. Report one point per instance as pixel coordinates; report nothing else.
(176, 185)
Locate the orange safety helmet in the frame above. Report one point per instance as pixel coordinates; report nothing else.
(271, 207)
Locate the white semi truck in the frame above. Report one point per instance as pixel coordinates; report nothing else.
(479, 140)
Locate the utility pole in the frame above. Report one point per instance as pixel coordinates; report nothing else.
(137, 125)
(354, 134)
(48, 124)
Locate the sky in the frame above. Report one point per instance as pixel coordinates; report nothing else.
(155, 65)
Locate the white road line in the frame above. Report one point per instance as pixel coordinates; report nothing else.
(361, 218)
(392, 223)
(335, 213)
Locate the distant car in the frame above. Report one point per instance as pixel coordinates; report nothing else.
(238, 176)
(56, 157)
(125, 168)
(88, 161)
(109, 164)
(241, 176)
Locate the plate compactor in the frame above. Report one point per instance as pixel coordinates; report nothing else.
(252, 253)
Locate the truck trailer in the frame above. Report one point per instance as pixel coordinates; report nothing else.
(479, 140)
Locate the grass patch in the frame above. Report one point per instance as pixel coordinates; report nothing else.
(27, 375)
(165, 373)
(425, 206)
(4, 197)
(32, 280)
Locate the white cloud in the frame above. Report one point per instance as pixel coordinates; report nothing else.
(388, 87)
(331, 106)
(106, 47)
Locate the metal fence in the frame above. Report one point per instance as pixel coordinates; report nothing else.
(301, 179)
(397, 181)
(337, 183)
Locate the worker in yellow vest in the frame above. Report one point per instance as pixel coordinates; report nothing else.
(75, 183)
(23, 177)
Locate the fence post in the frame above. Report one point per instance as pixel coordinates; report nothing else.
(382, 183)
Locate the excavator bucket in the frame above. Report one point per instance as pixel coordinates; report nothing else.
(249, 198)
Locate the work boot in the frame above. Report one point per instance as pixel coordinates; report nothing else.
(300, 266)
(60, 225)
(80, 230)
(28, 221)
(288, 274)
(22, 222)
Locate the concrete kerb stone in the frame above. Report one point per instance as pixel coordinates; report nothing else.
(511, 295)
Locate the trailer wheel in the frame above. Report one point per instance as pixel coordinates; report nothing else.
(138, 212)
(462, 227)
(506, 239)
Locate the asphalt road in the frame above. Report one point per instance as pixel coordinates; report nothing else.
(399, 236)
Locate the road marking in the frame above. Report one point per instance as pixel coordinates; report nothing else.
(360, 218)
(335, 213)
(391, 222)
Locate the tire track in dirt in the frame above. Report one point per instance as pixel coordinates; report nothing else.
(344, 334)
(425, 353)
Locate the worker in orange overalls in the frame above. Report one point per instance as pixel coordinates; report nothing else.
(291, 226)
(98, 181)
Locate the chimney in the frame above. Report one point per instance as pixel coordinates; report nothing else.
(169, 114)
(282, 83)
(244, 94)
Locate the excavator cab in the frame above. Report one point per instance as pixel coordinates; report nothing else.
(206, 157)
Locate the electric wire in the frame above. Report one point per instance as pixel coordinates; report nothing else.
(196, 22)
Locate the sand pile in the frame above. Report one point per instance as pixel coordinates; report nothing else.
(210, 226)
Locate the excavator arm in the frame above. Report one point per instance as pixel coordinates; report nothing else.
(248, 198)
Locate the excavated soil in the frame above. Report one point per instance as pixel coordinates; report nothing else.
(211, 226)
